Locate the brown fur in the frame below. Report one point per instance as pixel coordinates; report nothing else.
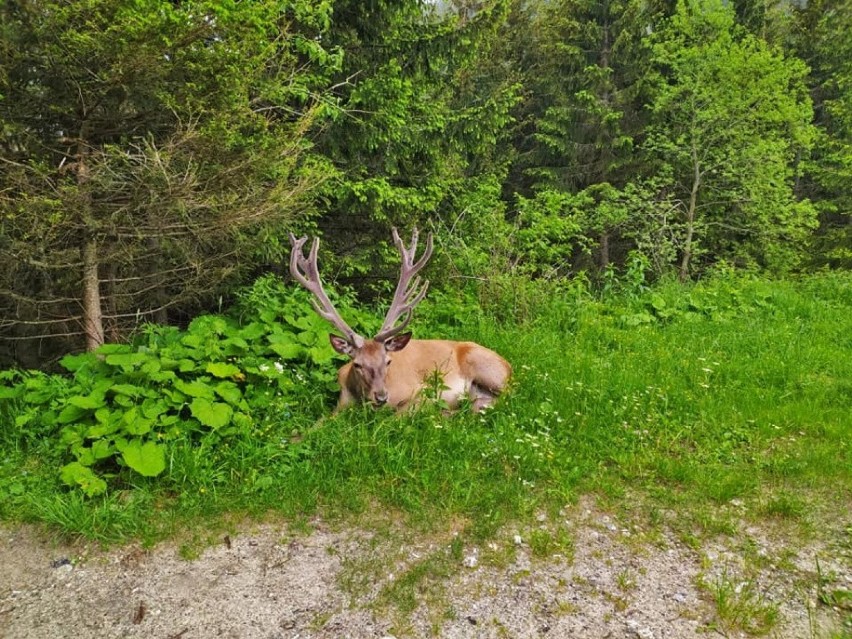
(466, 369)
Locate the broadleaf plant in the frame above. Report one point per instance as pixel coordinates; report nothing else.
(117, 410)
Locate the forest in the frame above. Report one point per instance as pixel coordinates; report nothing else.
(155, 155)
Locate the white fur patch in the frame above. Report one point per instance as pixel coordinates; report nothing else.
(456, 388)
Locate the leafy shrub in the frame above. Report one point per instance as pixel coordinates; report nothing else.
(723, 296)
(120, 406)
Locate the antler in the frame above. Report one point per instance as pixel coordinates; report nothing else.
(306, 273)
(408, 294)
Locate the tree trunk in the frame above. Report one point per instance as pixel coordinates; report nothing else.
(92, 313)
(159, 295)
(604, 251)
(603, 262)
(683, 273)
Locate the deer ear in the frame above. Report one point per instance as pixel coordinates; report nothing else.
(340, 345)
(398, 342)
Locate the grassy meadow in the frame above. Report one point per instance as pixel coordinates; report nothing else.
(662, 400)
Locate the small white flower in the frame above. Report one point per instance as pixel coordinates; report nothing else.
(263, 368)
(279, 367)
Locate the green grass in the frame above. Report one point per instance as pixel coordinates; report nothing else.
(741, 607)
(683, 398)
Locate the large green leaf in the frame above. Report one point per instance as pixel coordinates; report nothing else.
(252, 331)
(208, 324)
(287, 350)
(126, 360)
(321, 354)
(148, 458)
(153, 408)
(222, 370)
(212, 414)
(127, 389)
(75, 474)
(187, 365)
(9, 392)
(74, 363)
(230, 392)
(135, 423)
(193, 341)
(102, 449)
(195, 389)
(71, 414)
(108, 349)
(87, 402)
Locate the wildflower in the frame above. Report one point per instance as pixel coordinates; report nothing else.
(279, 367)
(263, 368)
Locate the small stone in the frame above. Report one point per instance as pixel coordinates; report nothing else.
(638, 630)
(518, 540)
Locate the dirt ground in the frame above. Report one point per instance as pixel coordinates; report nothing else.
(269, 582)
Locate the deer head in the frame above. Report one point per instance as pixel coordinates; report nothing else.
(370, 357)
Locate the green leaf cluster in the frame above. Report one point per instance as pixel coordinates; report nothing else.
(115, 411)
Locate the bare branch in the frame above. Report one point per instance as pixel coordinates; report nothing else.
(62, 320)
(20, 338)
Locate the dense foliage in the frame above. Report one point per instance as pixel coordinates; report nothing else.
(154, 156)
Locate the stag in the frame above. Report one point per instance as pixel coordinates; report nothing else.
(392, 368)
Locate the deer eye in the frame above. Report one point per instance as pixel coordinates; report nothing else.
(357, 365)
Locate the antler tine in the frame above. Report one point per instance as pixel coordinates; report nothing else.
(408, 293)
(305, 272)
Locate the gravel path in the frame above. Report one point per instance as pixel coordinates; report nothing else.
(269, 583)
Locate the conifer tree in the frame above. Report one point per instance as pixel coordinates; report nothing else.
(145, 151)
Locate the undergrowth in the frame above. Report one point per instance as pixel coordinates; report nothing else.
(735, 390)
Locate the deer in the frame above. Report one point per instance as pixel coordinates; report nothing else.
(392, 369)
